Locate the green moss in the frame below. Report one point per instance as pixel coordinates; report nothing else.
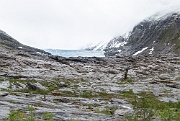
(166, 90)
(90, 106)
(1, 79)
(177, 47)
(176, 36)
(91, 94)
(21, 81)
(37, 91)
(46, 116)
(67, 93)
(128, 94)
(129, 80)
(168, 33)
(107, 111)
(13, 102)
(16, 115)
(83, 80)
(87, 94)
(19, 115)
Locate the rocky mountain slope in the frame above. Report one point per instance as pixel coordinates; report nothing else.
(115, 45)
(9, 42)
(155, 35)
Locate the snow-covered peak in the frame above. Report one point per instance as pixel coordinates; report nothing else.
(158, 34)
(117, 42)
(164, 14)
(100, 46)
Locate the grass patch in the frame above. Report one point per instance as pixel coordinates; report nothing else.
(125, 81)
(37, 91)
(91, 94)
(1, 79)
(53, 85)
(21, 81)
(16, 116)
(146, 105)
(87, 94)
(90, 106)
(19, 115)
(177, 47)
(128, 94)
(107, 111)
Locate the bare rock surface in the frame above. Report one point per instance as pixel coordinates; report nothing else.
(83, 88)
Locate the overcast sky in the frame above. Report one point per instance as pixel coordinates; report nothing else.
(73, 24)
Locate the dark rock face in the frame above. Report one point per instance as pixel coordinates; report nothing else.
(113, 47)
(153, 36)
(9, 42)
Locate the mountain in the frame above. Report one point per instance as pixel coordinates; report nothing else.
(85, 88)
(8, 42)
(113, 45)
(155, 35)
(97, 46)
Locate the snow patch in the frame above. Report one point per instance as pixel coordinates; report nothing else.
(140, 51)
(101, 46)
(121, 44)
(151, 50)
(119, 50)
(126, 35)
(124, 106)
(20, 47)
(39, 53)
(116, 44)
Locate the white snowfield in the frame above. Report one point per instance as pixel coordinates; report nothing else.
(140, 51)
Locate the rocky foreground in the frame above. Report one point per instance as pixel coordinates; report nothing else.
(84, 88)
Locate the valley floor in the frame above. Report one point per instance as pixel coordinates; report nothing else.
(87, 88)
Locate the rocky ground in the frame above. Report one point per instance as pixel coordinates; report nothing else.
(83, 88)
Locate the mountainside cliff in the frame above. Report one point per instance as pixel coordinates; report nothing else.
(152, 36)
(10, 43)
